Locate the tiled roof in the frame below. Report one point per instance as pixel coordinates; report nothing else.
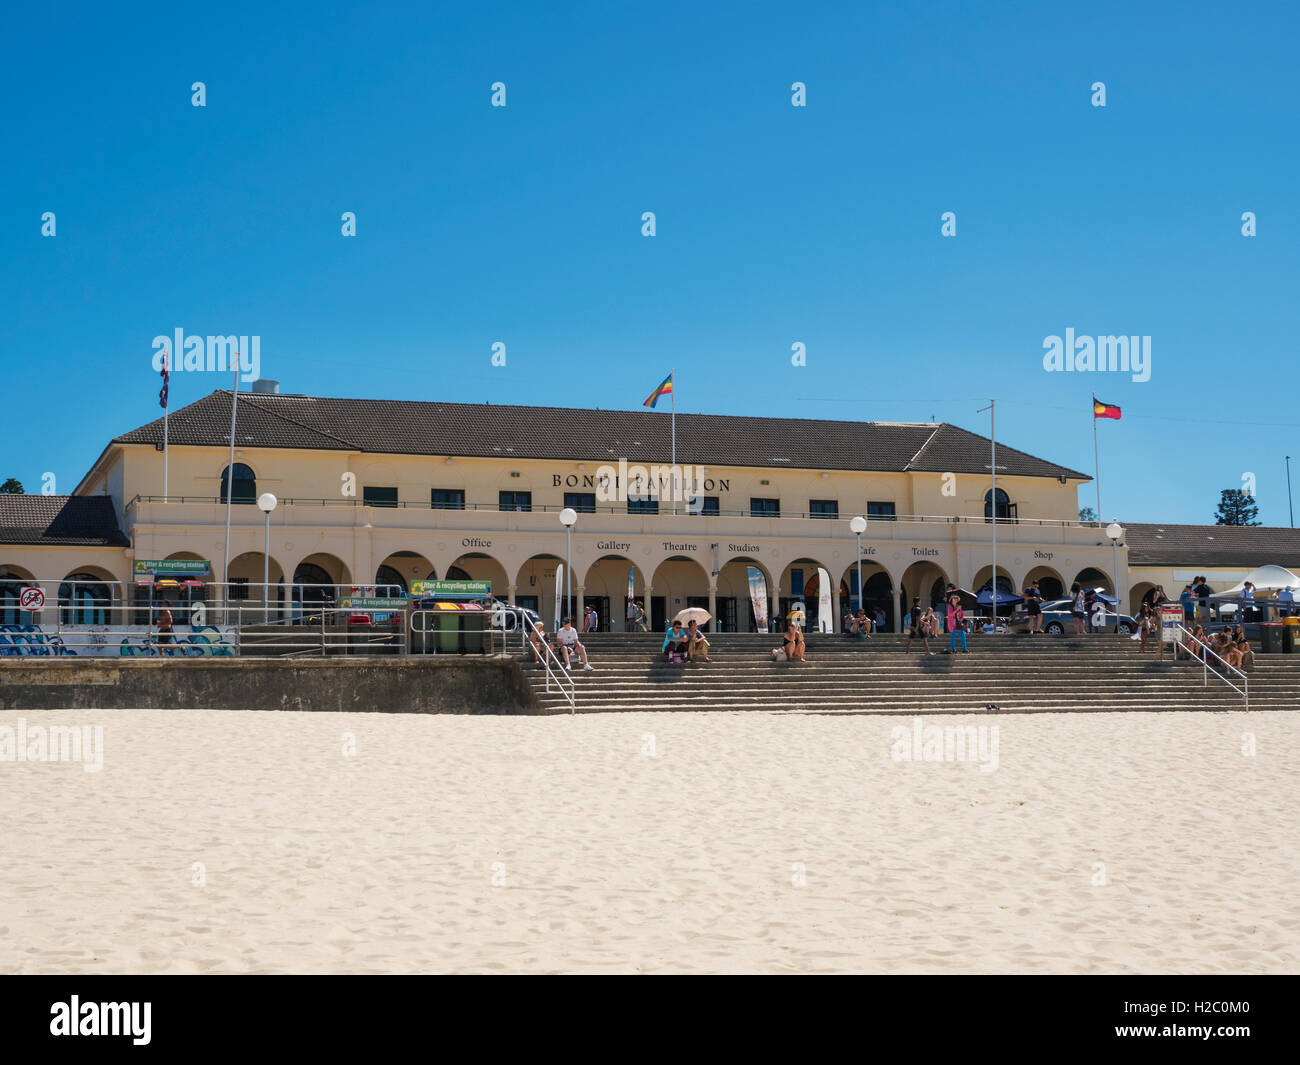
(40, 519)
(563, 433)
(1212, 545)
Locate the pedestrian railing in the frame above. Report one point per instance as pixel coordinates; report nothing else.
(555, 671)
(1228, 670)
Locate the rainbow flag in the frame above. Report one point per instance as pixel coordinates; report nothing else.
(1104, 410)
(664, 389)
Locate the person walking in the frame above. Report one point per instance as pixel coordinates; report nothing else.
(164, 625)
(956, 626)
(1077, 609)
(1034, 607)
(590, 620)
(915, 630)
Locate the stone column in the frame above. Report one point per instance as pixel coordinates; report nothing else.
(713, 605)
(581, 609)
(898, 609)
(510, 594)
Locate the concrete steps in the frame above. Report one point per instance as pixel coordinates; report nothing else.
(1016, 674)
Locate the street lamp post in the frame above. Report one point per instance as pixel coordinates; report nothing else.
(859, 525)
(567, 517)
(1115, 532)
(267, 502)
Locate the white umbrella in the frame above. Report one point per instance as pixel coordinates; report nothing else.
(696, 614)
(1267, 579)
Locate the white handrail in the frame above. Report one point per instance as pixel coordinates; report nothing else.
(559, 673)
(1243, 691)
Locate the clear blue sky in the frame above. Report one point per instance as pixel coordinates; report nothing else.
(776, 224)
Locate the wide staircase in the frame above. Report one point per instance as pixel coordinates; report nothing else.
(1006, 673)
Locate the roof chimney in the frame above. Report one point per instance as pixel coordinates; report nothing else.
(270, 388)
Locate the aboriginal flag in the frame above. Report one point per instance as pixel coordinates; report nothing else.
(1104, 410)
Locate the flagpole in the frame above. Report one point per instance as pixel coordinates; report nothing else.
(230, 492)
(167, 365)
(1096, 455)
(993, 503)
(673, 375)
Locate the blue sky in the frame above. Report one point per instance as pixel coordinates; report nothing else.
(775, 224)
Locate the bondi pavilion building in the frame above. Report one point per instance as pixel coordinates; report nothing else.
(380, 492)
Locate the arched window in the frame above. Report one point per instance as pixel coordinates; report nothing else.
(388, 581)
(84, 600)
(10, 591)
(312, 586)
(1006, 509)
(245, 484)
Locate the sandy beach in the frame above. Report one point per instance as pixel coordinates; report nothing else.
(217, 841)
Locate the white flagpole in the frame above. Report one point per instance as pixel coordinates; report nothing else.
(993, 502)
(230, 492)
(672, 374)
(166, 409)
(1096, 456)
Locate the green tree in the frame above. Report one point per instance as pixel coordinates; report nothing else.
(12, 486)
(1087, 514)
(1236, 508)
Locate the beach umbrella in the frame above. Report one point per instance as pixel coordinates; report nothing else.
(986, 597)
(696, 614)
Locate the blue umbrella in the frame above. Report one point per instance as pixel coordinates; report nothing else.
(985, 598)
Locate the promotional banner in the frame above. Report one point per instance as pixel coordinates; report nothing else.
(559, 593)
(825, 614)
(758, 596)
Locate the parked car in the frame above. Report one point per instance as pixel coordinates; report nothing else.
(1057, 619)
(508, 618)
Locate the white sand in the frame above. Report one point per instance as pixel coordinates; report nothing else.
(615, 861)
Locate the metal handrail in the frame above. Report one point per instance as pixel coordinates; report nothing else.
(1243, 691)
(623, 510)
(559, 673)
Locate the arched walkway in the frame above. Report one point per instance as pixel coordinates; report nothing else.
(1092, 577)
(535, 587)
(604, 586)
(1006, 586)
(735, 608)
(400, 568)
(877, 592)
(86, 598)
(1050, 583)
(678, 582)
(799, 583)
(13, 579)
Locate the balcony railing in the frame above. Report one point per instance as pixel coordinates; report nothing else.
(665, 510)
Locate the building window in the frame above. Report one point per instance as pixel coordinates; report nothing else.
(238, 589)
(447, 498)
(708, 506)
(84, 600)
(649, 505)
(1006, 508)
(764, 508)
(582, 502)
(823, 508)
(245, 484)
(389, 582)
(880, 511)
(515, 501)
(379, 497)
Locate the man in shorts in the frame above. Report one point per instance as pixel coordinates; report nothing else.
(567, 640)
(1034, 605)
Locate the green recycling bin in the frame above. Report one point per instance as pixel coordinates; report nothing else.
(448, 624)
(1270, 638)
(472, 624)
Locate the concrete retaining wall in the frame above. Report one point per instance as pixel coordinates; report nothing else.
(415, 685)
